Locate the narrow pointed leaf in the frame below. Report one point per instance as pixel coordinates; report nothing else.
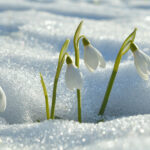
(78, 30)
(63, 49)
(61, 64)
(129, 39)
(126, 48)
(46, 97)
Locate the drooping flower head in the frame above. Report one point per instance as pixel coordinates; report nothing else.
(2, 100)
(141, 61)
(92, 57)
(73, 76)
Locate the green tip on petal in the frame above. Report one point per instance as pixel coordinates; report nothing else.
(133, 47)
(85, 42)
(68, 60)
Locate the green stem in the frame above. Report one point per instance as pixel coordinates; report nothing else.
(78, 91)
(76, 54)
(123, 50)
(79, 105)
(82, 36)
(110, 83)
(61, 60)
(54, 98)
(55, 86)
(127, 48)
(76, 48)
(107, 93)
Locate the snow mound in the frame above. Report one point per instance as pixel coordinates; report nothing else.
(31, 35)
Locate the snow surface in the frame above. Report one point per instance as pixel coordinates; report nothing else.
(31, 35)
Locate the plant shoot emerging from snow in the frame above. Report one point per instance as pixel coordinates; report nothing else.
(92, 58)
(46, 97)
(123, 50)
(73, 77)
(61, 60)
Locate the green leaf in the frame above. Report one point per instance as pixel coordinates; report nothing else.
(126, 45)
(62, 60)
(46, 97)
(129, 39)
(77, 33)
(60, 65)
(63, 50)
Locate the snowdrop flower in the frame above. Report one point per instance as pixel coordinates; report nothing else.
(141, 61)
(2, 100)
(92, 57)
(73, 76)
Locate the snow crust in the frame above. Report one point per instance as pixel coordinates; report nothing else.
(31, 35)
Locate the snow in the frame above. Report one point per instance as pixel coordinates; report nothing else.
(113, 134)
(31, 35)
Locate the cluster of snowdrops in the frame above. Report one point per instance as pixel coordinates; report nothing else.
(92, 59)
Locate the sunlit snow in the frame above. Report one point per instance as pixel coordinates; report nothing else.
(31, 35)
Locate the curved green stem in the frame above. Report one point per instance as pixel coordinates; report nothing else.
(80, 37)
(55, 87)
(76, 48)
(124, 49)
(76, 54)
(76, 45)
(59, 67)
(78, 91)
(127, 47)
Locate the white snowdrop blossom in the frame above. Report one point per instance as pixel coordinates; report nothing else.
(73, 76)
(92, 57)
(2, 100)
(141, 61)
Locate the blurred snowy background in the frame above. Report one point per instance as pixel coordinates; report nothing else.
(31, 35)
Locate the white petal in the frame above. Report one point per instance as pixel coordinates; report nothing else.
(141, 63)
(102, 62)
(2, 100)
(73, 77)
(141, 73)
(91, 57)
(147, 62)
